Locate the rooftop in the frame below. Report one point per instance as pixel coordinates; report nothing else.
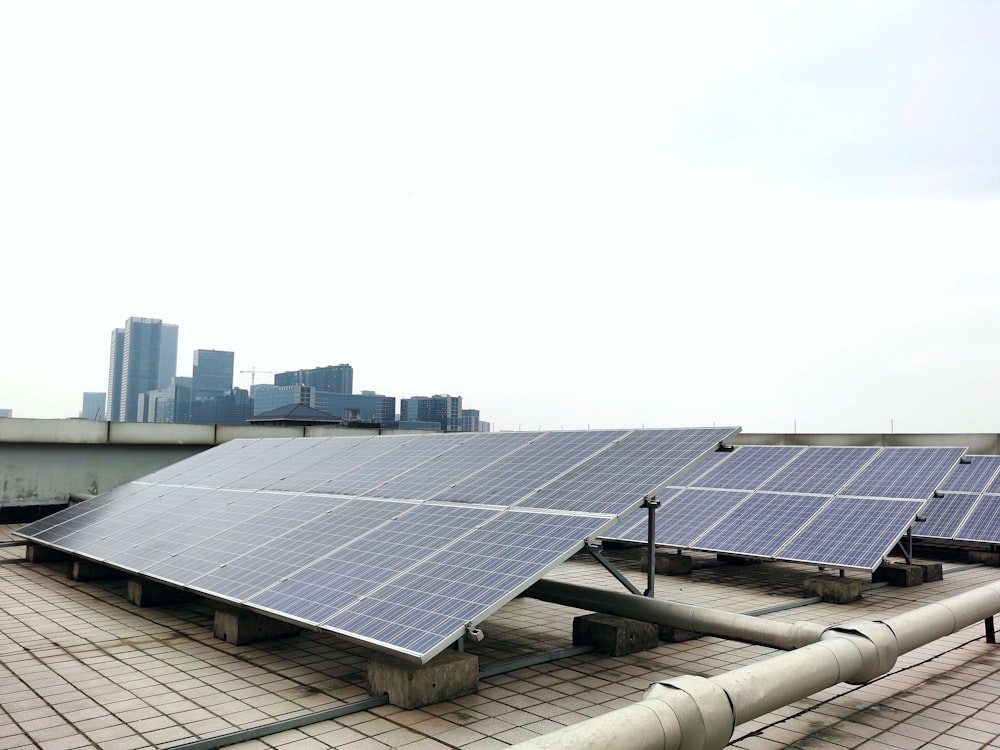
(81, 667)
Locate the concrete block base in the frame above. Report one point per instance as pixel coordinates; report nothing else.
(737, 559)
(614, 636)
(84, 570)
(676, 635)
(835, 589)
(933, 571)
(668, 565)
(241, 627)
(38, 553)
(898, 574)
(984, 557)
(151, 594)
(448, 675)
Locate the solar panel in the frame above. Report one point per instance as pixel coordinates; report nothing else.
(977, 475)
(395, 542)
(944, 515)
(746, 468)
(851, 532)
(821, 470)
(904, 473)
(793, 505)
(761, 524)
(983, 521)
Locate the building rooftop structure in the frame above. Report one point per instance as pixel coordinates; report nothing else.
(81, 667)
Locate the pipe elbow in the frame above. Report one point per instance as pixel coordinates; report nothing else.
(703, 710)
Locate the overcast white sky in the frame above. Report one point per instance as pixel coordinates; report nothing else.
(777, 215)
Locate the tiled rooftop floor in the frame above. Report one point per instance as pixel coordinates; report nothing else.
(80, 667)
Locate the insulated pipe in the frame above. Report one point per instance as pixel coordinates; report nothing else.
(698, 713)
(732, 625)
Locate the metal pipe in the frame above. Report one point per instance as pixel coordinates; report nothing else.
(700, 620)
(699, 712)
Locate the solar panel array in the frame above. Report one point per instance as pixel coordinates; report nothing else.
(969, 506)
(397, 542)
(833, 506)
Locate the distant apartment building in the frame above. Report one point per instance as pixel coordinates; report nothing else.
(143, 358)
(6, 413)
(366, 406)
(268, 397)
(211, 373)
(472, 423)
(441, 409)
(332, 378)
(94, 404)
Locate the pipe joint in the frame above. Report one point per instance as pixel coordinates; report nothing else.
(704, 711)
(878, 646)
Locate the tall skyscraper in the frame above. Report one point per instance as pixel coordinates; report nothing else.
(212, 373)
(143, 358)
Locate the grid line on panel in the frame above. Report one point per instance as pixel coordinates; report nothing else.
(207, 462)
(291, 458)
(335, 460)
(691, 513)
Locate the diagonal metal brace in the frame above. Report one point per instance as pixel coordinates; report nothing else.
(611, 569)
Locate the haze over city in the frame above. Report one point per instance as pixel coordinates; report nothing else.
(778, 215)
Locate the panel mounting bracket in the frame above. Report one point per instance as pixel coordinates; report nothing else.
(723, 448)
(596, 553)
(473, 633)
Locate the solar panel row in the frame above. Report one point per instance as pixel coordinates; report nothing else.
(833, 506)
(969, 506)
(398, 542)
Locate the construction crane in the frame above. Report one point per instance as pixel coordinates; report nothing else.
(253, 374)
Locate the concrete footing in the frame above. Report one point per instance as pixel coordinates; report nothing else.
(933, 571)
(668, 564)
(737, 559)
(38, 553)
(448, 675)
(676, 635)
(240, 627)
(898, 574)
(614, 636)
(835, 589)
(984, 557)
(144, 593)
(84, 570)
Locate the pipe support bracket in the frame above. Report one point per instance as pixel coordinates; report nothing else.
(884, 648)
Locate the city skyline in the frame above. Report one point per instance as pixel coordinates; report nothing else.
(775, 215)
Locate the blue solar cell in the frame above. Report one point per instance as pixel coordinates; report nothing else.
(746, 468)
(904, 473)
(975, 476)
(616, 479)
(821, 470)
(983, 522)
(761, 524)
(852, 532)
(944, 515)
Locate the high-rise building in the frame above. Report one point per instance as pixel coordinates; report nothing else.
(212, 373)
(93, 405)
(332, 378)
(143, 358)
(441, 408)
(171, 404)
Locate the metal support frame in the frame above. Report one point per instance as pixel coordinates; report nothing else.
(611, 568)
(991, 633)
(651, 504)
